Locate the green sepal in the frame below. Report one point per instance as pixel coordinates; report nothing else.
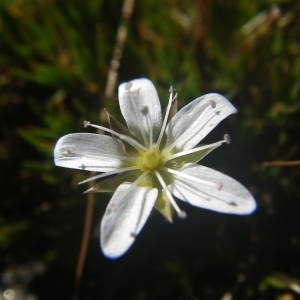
(174, 108)
(116, 125)
(110, 184)
(192, 158)
(164, 207)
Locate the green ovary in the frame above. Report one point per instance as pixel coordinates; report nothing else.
(150, 160)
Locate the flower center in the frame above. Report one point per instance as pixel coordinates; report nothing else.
(150, 160)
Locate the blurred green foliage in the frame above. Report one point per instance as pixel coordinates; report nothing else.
(54, 60)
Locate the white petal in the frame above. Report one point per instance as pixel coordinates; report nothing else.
(140, 106)
(210, 189)
(195, 120)
(125, 216)
(89, 151)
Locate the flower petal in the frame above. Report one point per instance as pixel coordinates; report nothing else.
(163, 205)
(140, 106)
(89, 151)
(124, 218)
(195, 120)
(213, 190)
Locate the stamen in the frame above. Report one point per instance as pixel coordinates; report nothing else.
(109, 156)
(226, 140)
(208, 107)
(150, 128)
(88, 190)
(129, 140)
(193, 178)
(163, 127)
(181, 213)
(107, 174)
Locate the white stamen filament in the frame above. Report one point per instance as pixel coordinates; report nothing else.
(88, 190)
(106, 174)
(193, 178)
(129, 140)
(181, 213)
(163, 127)
(150, 129)
(207, 108)
(200, 148)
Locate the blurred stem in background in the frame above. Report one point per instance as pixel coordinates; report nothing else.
(112, 77)
(279, 163)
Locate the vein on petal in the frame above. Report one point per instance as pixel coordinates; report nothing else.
(179, 174)
(208, 196)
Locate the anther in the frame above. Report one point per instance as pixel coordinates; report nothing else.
(182, 214)
(227, 138)
(86, 123)
(171, 89)
(88, 190)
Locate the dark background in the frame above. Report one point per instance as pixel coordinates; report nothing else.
(54, 59)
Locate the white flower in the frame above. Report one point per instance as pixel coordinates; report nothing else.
(153, 160)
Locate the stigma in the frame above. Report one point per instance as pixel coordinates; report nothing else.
(150, 160)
